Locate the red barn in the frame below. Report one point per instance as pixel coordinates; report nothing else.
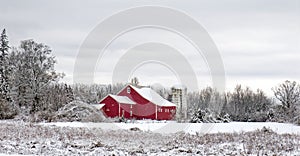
(139, 103)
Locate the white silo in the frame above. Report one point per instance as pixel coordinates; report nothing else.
(179, 97)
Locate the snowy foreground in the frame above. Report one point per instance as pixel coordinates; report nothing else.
(117, 139)
(165, 127)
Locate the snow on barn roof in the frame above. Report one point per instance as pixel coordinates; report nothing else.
(122, 99)
(98, 106)
(152, 96)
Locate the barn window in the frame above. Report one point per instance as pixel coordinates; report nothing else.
(166, 110)
(130, 113)
(128, 90)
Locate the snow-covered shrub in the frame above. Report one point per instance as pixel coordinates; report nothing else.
(266, 130)
(41, 116)
(207, 116)
(198, 117)
(79, 111)
(259, 117)
(225, 118)
(7, 110)
(280, 114)
(112, 120)
(135, 129)
(297, 120)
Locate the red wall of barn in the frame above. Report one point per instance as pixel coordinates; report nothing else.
(127, 109)
(164, 114)
(111, 107)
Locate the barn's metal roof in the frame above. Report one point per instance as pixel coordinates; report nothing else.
(152, 96)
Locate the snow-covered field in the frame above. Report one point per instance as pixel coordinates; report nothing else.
(167, 127)
(18, 137)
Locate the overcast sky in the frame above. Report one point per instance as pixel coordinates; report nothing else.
(258, 40)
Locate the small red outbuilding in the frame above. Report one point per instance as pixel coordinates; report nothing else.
(138, 103)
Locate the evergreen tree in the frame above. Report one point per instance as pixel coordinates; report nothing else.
(4, 67)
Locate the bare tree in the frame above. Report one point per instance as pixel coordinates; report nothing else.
(135, 81)
(288, 93)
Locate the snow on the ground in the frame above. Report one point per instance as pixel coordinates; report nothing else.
(74, 138)
(191, 128)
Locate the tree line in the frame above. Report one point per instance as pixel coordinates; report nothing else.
(244, 104)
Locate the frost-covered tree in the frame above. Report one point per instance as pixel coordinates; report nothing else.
(4, 67)
(206, 98)
(288, 93)
(243, 104)
(242, 99)
(261, 102)
(33, 73)
(58, 95)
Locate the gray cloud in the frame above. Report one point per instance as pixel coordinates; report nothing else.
(258, 39)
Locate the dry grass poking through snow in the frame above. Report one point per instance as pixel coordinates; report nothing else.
(26, 138)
